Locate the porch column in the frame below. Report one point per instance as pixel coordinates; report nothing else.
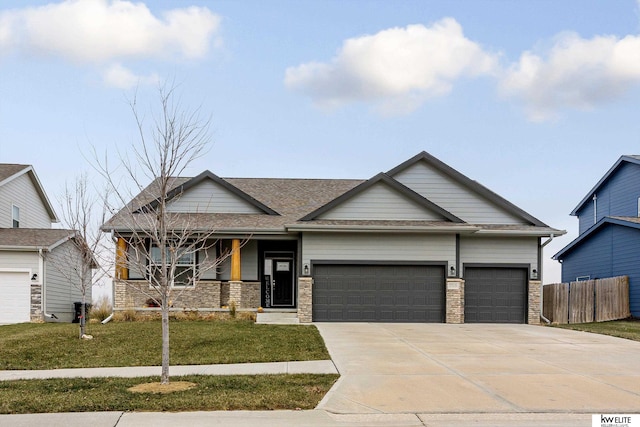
(533, 315)
(236, 274)
(122, 272)
(455, 301)
(305, 297)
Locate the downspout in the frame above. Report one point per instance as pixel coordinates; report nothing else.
(551, 236)
(44, 293)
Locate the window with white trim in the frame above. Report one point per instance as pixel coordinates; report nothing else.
(185, 264)
(15, 216)
(638, 207)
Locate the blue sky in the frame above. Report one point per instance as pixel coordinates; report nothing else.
(533, 99)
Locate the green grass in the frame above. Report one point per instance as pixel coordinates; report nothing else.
(267, 392)
(56, 345)
(629, 329)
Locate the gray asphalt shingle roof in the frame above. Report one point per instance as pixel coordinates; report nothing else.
(9, 169)
(32, 237)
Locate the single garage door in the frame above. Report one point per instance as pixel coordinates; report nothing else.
(378, 293)
(15, 303)
(495, 295)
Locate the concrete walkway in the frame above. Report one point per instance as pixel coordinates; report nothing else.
(305, 367)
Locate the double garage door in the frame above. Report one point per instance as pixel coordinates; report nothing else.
(378, 293)
(415, 293)
(15, 303)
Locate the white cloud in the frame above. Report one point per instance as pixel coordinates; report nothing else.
(123, 78)
(396, 69)
(99, 31)
(575, 73)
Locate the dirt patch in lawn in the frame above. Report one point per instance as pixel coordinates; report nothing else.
(162, 388)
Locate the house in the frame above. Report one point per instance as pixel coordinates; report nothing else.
(608, 244)
(419, 243)
(34, 256)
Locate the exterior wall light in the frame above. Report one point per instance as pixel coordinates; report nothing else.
(305, 270)
(452, 271)
(534, 274)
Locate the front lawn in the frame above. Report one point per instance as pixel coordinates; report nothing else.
(629, 329)
(212, 393)
(56, 345)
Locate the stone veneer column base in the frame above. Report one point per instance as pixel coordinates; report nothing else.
(455, 301)
(533, 315)
(305, 296)
(36, 303)
(235, 293)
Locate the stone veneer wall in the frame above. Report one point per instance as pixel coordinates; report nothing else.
(305, 295)
(455, 301)
(533, 316)
(135, 293)
(36, 303)
(245, 294)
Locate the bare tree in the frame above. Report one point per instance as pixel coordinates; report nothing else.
(160, 242)
(79, 259)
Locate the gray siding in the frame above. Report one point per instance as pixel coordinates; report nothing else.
(20, 260)
(499, 250)
(210, 197)
(21, 192)
(63, 282)
(455, 198)
(378, 247)
(381, 202)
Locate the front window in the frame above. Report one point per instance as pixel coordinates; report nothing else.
(15, 215)
(185, 264)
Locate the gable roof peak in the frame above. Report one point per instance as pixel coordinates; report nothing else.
(628, 158)
(471, 184)
(388, 180)
(208, 175)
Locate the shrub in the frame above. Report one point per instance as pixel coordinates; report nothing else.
(101, 309)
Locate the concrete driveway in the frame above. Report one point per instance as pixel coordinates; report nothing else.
(458, 369)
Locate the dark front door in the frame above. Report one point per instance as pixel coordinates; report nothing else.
(282, 286)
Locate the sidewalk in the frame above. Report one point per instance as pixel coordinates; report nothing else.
(304, 367)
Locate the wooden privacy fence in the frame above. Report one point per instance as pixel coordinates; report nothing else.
(588, 301)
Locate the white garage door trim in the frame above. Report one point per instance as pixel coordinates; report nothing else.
(15, 300)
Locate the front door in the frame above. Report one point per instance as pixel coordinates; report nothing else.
(279, 282)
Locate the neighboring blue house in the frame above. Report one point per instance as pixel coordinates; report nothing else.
(609, 224)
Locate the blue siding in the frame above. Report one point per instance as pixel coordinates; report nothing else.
(611, 251)
(618, 196)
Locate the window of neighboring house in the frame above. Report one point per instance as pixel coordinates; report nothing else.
(15, 216)
(638, 207)
(185, 265)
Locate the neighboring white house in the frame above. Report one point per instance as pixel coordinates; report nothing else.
(35, 260)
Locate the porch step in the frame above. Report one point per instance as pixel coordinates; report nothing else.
(277, 318)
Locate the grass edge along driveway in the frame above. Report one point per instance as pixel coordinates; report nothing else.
(56, 345)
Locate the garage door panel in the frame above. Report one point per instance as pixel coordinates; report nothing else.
(15, 304)
(495, 295)
(378, 293)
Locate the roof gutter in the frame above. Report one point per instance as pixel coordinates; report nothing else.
(382, 228)
(524, 233)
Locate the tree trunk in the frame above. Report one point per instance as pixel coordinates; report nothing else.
(164, 377)
(83, 315)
